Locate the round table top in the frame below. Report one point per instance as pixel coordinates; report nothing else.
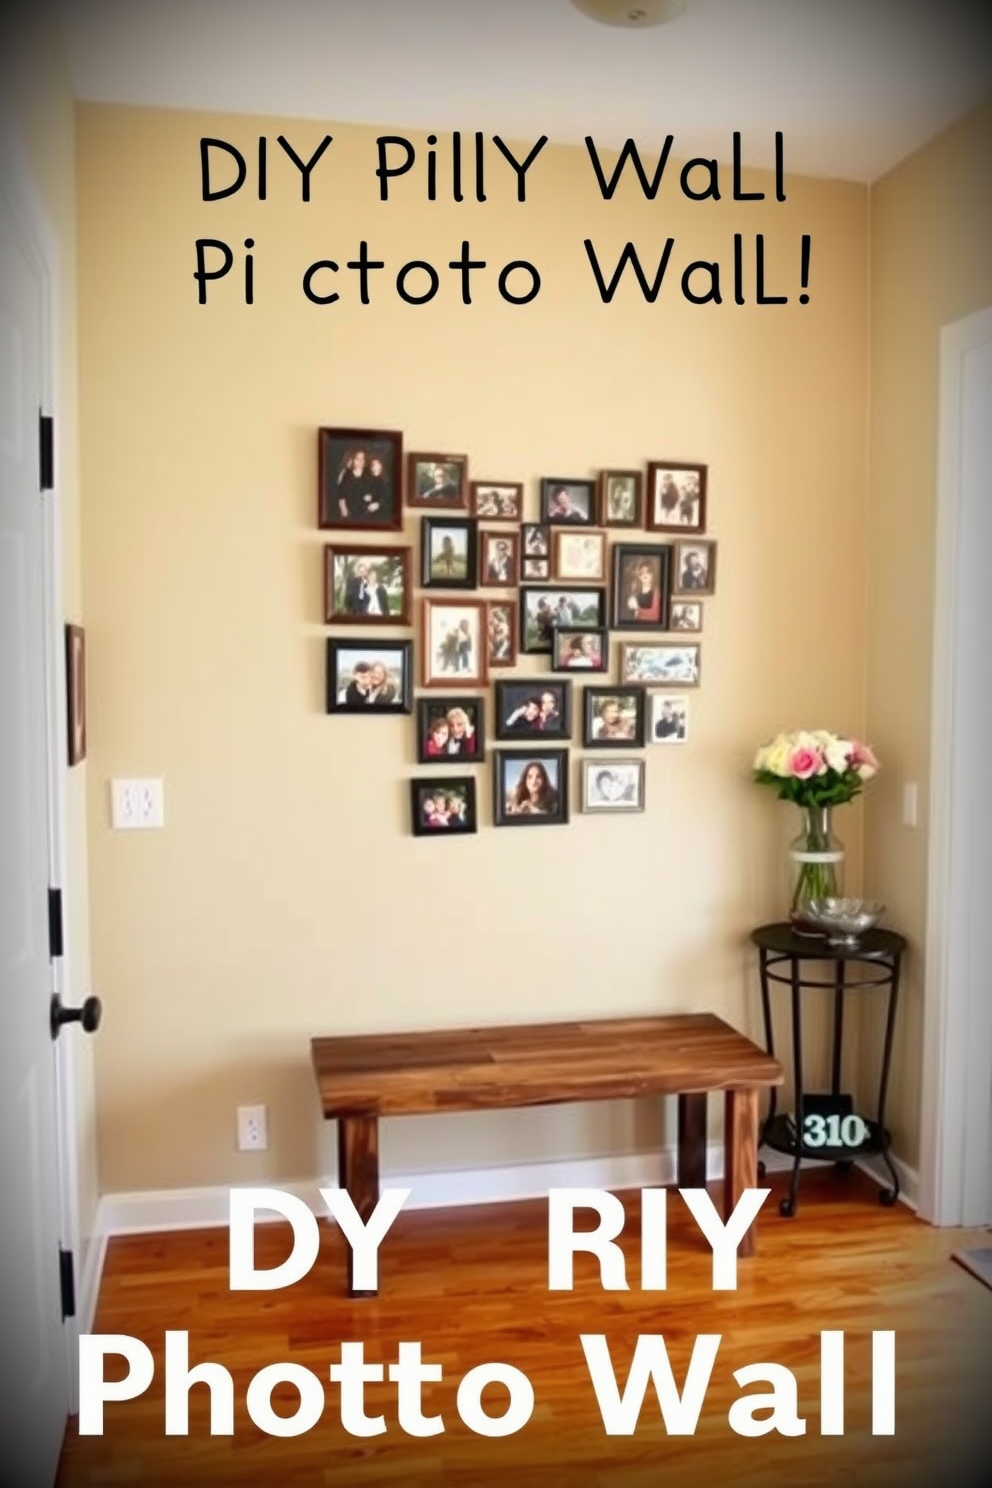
(874, 945)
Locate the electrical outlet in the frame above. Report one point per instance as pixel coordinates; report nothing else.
(136, 805)
(253, 1134)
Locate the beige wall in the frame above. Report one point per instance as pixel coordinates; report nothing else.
(35, 82)
(286, 897)
(931, 263)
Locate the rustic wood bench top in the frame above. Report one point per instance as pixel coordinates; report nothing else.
(396, 1074)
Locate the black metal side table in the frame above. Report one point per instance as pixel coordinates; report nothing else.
(780, 947)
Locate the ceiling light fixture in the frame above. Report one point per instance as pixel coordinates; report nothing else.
(631, 12)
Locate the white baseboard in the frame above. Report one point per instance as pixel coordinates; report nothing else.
(88, 1290)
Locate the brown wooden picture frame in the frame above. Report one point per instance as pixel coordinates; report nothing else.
(342, 503)
(441, 666)
(489, 578)
(75, 693)
(501, 645)
(496, 512)
(679, 559)
(453, 494)
(358, 592)
(561, 539)
(655, 503)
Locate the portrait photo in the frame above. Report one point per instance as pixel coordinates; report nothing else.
(641, 586)
(501, 630)
(579, 650)
(443, 808)
(695, 568)
(454, 642)
(685, 615)
(537, 570)
(530, 787)
(613, 718)
(497, 501)
(75, 684)
(671, 666)
(369, 679)
(437, 480)
(365, 585)
(499, 559)
(580, 556)
(568, 501)
(533, 708)
(536, 540)
(669, 719)
(449, 727)
(359, 478)
(621, 498)
(618, 786)
(676, 496)
(448, 548)
(542, 609)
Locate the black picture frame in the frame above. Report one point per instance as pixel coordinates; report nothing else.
(342, 504)
(676, 497)
(521, 708)
(580, 652)
(510, 769)
(578, 495)
(595, 702)
(629, 559)
(342, 653)
(431, 710)
(447, 529)
(536, 635)
(424, 789)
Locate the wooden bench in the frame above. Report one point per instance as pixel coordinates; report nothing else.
(362, 1077)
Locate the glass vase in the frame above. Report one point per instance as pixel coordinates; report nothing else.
(817, 858)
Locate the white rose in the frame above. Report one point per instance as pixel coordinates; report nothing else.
(838, 752)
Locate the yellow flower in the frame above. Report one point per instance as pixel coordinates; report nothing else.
(777, 755)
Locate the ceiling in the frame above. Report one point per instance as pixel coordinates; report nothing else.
(855, 85)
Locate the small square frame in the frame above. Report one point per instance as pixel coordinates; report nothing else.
(595, 697)
(591, 769)
(453, 499)
(424, 788)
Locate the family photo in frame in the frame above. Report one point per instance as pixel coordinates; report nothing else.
(374, 678)
(676, 496)
(366, 585)
(359, 473)
(443, 807)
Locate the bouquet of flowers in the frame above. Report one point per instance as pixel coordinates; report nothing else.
(815, 768)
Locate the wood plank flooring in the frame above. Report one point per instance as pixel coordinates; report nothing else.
(471, 1286)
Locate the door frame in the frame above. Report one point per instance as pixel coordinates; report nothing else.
(956, 1139)
(40, 240)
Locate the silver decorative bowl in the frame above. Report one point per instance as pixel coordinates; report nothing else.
(845, 920)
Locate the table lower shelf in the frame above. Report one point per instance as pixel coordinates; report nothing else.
(778, 1135)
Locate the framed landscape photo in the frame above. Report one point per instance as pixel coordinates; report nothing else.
(359, 473)
(499, 559)
(661, 664)
(542, 609)
(75, 685)
(579, 556)
(501, 631)
(497, 501)
(448, 548)
(579, 650)
(695, 568)
(613, 717)
(685, 615)
(366, 585)
(455, 643)
(450, 728)
(373, 678)
(617, 786)
(641, 586)
(621, 498)
(567, 501)
(443, 807)
(530, 787)
(533, 708)
(676, 496)
(437, 480)
(669, 723)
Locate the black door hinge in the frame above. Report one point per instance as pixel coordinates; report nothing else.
(56, 939)
(46, 451)
(67, 1283)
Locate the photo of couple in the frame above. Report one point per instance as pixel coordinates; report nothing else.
(450, 726)
(568, 609)
(359, 477)
(525, 708)
(366, 584)
(678, 494)
(361, 679)
(453, 642)
(579, 650)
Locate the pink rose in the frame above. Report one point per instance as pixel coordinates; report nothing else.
(863, 760)
(806, 762)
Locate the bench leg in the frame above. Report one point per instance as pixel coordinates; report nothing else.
(358, 1172)
(740, 1161)
(691, 1171)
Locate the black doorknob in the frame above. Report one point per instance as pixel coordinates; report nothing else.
(88, 1015)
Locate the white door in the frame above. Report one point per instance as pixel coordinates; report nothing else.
(33, 1353)
(956, 1145)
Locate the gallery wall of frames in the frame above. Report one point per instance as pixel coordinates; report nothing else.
(491, 581)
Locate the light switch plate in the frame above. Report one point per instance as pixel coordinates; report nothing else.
(136, 805)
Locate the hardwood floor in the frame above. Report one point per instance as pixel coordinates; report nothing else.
(471, 1286)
